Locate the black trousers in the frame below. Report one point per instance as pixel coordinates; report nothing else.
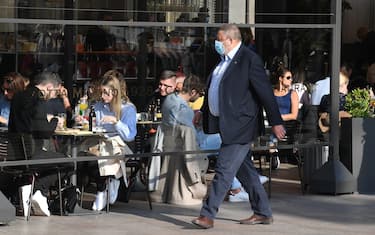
(47, 173)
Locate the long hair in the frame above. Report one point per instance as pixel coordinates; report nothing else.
(280, 72)
(112, 79)
(15, 82)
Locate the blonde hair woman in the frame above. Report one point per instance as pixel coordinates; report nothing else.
(115, 113)
(117, 116)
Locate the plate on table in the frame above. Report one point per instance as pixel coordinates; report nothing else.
(77, 127)
(99, 129)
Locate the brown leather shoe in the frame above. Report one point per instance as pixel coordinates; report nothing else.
(257, 219)
(203, 222)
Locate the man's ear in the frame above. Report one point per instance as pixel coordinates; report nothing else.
(193, 92)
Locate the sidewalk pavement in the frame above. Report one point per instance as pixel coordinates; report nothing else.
(294, 214)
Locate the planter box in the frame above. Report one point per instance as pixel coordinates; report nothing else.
(357, 151)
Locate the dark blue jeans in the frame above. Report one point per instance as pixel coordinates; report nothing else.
(233, 161)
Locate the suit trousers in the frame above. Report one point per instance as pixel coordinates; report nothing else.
(233, 161)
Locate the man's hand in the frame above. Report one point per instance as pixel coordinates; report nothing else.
(197, 118)
(279, 131)
(109, 119)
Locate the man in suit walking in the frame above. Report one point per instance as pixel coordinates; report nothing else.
(238, 88)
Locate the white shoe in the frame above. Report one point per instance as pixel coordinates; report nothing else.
(25, 197)
(113, 187)
(263, 179)
(39, 204)
(242, 196)
(100, 201)
(275, 163)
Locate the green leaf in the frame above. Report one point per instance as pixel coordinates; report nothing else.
(358, 103)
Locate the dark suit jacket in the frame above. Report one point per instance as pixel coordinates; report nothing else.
(28, 114)
(243, 90)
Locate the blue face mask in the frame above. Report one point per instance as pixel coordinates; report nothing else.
(219, 47)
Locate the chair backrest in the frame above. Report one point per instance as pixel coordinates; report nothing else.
(20, 146)
(309, 123)
(293, 129)
(3, 145)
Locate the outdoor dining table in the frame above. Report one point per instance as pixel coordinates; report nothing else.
(73, 135)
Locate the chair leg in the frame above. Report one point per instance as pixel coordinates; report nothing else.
(299, 164)
(107, 189)
(60, 193)
(82, 190)
(270, 174)
(30, 197)
(146, 181)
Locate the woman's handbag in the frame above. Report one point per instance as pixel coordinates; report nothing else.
(111, 146)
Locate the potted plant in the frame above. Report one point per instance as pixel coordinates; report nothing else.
(358, 103)
(358, 138)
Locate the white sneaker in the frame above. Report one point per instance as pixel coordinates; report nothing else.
(25, 197)
(113, 187)
(275, 163)
(100, 201)
(239, 197)
(263, 179)
(39, 204)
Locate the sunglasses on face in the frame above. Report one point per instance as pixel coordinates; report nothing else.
(288, 78)
(107, 93)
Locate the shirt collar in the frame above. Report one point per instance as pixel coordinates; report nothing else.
(233, 52)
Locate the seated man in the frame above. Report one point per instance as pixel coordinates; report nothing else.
(181, 178)
(29, 116)
(167, 85)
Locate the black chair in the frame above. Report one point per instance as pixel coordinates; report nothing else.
(287, 147)
(22, 147)
(139, 168)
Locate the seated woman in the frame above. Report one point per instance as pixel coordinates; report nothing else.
(116, 115)
(12, 84)
(325, 106)
(286, 98)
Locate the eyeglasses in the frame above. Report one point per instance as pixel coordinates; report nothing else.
(289, 78)
(106, 93)
(57, 90)
(165, 85)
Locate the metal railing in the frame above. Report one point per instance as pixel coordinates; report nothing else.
(149, 155)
